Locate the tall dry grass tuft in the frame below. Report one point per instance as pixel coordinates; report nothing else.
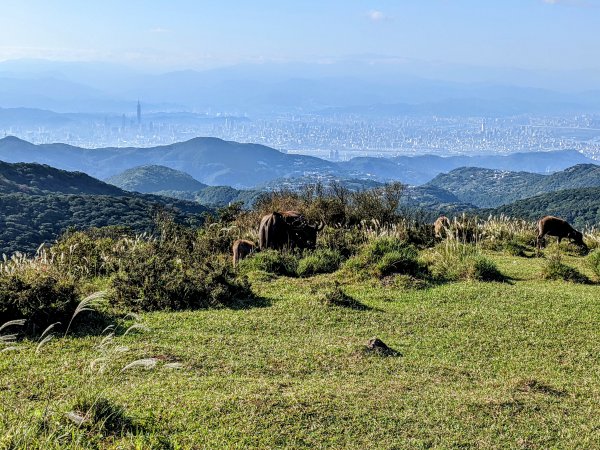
(46, 337)
(8, 339)
(591, 237)
(91, 413)
(500, 230)
(90, 303)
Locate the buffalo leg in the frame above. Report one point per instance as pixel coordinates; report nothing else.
(540, 241)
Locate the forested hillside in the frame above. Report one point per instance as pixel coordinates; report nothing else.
(491, 188)
(36, 179)
(578, 206)
(38, 203)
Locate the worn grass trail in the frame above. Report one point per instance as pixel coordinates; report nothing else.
(483, 365)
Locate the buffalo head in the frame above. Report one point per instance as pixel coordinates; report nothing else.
(577, 238)
(302, 233)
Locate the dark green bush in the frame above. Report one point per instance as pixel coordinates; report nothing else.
(384, 256)
(182, 268)
(39, 295)
(484, 269)
(319, 261)
(346, 241)
(421, 235)
(154, 280)
(594, 262)
(399, 261)
(514, 248)
(271, 261)
(512, 245)
(85, 254)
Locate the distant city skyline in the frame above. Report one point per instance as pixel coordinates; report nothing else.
(181, 34)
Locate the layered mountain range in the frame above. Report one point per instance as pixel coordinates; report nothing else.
(40, 201)
(213, 161)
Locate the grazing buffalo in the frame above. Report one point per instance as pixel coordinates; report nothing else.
(441, 226)
(553, 226)
(287, 229)
(241, 249)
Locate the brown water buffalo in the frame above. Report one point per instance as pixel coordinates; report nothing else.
(242, 248)
(441, 226)
(553, 226)
(287, 229)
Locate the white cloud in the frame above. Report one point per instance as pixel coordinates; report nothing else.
(377, 16)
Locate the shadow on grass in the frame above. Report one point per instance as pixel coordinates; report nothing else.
(90, 323)
(538, 387)
(104, 416)
(349, 303)
(332, 294)
(249, 303)
(87, 323)
(101, 416)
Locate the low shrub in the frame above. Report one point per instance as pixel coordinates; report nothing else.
(514, 248)
(154, 281)
(345, 241)
(453, 261)
(38, 294)
(555, 269)
(403, 261)
(384, 256)
(511, 246)
(481, 268)
(85, 254)
(593, 260)
(319, 261)
(421, 234)
(271, 261)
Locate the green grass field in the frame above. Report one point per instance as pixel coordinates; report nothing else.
(482, 365)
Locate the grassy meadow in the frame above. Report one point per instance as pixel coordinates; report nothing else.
(511, 364)
(113, 340)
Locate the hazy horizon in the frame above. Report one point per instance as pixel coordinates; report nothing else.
(337, 79)
(535, 35)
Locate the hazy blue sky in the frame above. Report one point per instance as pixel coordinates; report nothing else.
(192, 34)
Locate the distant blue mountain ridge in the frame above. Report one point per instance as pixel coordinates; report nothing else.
(215, 162)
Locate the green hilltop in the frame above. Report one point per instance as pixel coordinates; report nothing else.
(152, 179)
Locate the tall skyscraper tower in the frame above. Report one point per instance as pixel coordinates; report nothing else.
(139, 113)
